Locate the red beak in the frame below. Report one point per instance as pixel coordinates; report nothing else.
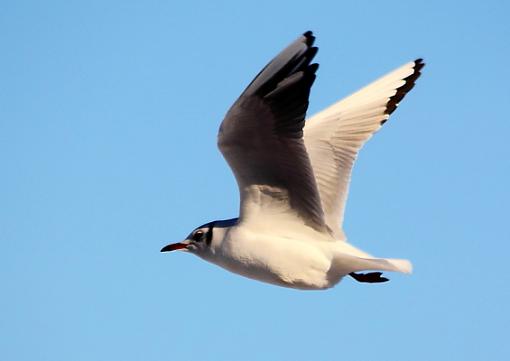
(174, 247)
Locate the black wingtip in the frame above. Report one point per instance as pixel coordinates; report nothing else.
(418, 64)
(311, 52)
(404, 89)
(295, 58)
(309, 37)
(312, 68)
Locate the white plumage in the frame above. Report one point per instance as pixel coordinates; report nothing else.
(293, 176)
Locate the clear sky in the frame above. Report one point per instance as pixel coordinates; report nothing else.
(108, 119)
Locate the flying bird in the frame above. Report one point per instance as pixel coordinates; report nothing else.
(293, 176)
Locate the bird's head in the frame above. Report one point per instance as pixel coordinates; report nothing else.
(203, 240)
(197, 241)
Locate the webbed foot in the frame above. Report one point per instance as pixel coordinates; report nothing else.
(372, 277)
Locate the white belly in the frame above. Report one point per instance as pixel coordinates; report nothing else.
(288, 262)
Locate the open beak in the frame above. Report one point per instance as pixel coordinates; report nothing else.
(174, 247)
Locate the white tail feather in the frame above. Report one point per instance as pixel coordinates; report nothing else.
(401, 265)
(346, 263)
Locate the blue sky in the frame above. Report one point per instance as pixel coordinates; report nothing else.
(108, 120)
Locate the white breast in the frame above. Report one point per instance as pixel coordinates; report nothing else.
(284, 261)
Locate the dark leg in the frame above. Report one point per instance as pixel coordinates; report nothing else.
(372, 277)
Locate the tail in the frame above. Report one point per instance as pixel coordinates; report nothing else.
(398, 265)
(346, 264)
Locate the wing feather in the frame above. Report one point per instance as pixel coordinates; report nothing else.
(334, 136)
(261, 138)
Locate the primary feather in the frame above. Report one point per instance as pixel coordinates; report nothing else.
(261, 138)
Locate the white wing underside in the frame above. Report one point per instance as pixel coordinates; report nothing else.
(334, 136)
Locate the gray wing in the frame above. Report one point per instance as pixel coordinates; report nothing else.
(261, 138)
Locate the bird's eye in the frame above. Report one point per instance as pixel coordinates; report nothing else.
(197, 236)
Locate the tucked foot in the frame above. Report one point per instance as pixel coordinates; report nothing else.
(372, 277)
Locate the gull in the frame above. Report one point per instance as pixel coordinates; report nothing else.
(293, 176)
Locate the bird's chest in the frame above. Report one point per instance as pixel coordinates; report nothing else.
(277, 260)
